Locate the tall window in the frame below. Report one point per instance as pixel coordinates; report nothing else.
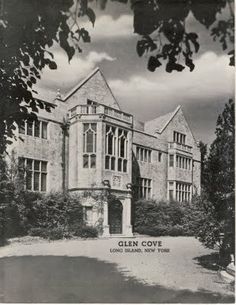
(171, 160)
(183, 162)
(183, 192)
(89, 145)
(143, 154)
(38, 129)
(111, 142)
(144, 188)
(116, 157)
(171, 191)
(35, 174)
(122, 150)
(179, 137)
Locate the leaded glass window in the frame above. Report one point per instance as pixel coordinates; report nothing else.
(89, 145)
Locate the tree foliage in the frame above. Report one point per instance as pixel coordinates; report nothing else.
(220, 163)
(29, 28)
(162, 27)
(219, 179)
(203, 151)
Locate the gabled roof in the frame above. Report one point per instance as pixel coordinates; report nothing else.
(161, 122)
(90, 77)
(80, 84)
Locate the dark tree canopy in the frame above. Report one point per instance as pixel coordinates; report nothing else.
(220, 163)
(28, 28)
(219, 174)
(203, 151)
(161, 23)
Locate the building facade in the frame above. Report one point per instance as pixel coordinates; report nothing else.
(89, 146)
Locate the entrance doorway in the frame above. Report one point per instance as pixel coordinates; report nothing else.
(115, 210)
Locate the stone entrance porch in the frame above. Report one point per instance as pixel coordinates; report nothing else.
(108, 210)
(117, 215)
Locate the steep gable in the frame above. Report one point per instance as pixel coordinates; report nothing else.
(94, 88)
(178, 123)
(159, 124)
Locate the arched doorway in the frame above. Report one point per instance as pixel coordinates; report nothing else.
(115, 210)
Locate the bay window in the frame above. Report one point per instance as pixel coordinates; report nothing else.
(89, 145)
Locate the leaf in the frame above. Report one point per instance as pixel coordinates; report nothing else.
(83, 6)
(193, 38)
(33, 80)
(189, 63)
(29, 84)
(91, 15)
(26, 60)
(146, 44)
(205, 11)
(140, 48)
(153, 63)
(40, 104)
(145, 17)
(65, 45)
(52, 65)
(25, 71)
(170, 66)
(33, 106)
(85, 35)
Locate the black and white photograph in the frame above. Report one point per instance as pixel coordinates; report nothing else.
(117, 151)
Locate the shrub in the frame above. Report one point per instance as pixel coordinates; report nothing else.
(2, 226)
(176, 231)
(86, 232)
(153, 230)
(49, 211)
(25, 202)
(40, 232)
(55, 233)
(50, 233)
(57, 209)
(173, 219)
(49, 216)
(12, 222)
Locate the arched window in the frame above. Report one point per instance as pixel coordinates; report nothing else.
(122, 150)
(116, 149)
(89, 145)
(110, 147)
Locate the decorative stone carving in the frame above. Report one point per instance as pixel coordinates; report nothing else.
(116, 181)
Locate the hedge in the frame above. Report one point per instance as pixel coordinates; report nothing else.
(52, 216)
(162, 218)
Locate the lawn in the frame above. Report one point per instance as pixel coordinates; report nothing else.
(88, 272)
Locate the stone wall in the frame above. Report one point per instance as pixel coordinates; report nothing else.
(95, 89)
(50, 149)
(156, 170)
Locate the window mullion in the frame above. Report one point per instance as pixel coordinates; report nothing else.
(32, 179)
(40, 173)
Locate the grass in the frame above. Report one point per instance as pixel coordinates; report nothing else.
(62, 279)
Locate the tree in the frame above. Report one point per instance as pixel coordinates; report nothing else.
(203, 151)
(162, 25)
(29, 28)
(220, 186)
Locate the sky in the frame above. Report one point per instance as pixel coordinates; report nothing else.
(147, 95)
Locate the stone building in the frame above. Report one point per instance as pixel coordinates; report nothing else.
(88, 145)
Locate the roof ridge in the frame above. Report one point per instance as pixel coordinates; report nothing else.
(109, 88)
(81, 83)
(173, 114)
(162, 120)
